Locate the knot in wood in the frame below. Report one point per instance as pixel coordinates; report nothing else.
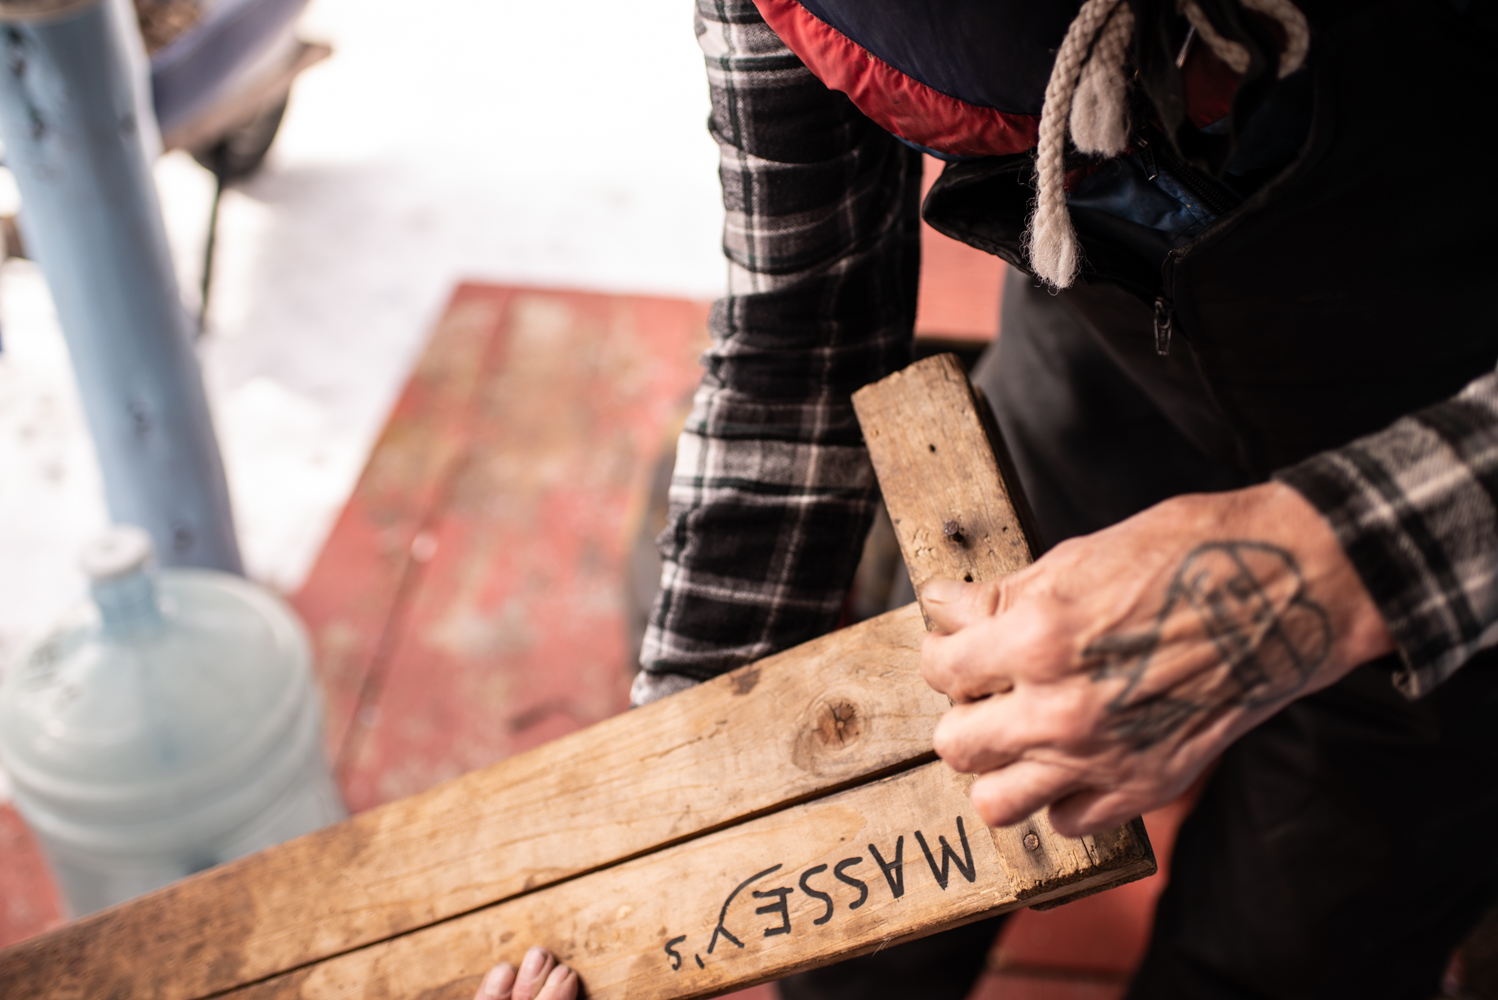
(838, 724)
(827, 732)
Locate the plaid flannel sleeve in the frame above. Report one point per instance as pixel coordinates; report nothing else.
(1416, 509)
(773, 491)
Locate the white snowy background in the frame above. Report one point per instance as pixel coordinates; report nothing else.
(498, 140)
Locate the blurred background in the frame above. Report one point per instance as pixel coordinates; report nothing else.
(497, 141)
(490, 142)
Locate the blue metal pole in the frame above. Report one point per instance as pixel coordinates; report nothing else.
(74, 139)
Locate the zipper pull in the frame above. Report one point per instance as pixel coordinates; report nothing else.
(1148, 156)
(1164, 317)
(1186, 47)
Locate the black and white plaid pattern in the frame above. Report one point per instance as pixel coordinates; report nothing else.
(1416, 509)
(773, 491)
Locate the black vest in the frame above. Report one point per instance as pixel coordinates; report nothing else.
(1356, 286)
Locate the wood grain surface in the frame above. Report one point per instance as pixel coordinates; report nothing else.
(602, 842)
(846, 874)
(945, 475)
(937, 468)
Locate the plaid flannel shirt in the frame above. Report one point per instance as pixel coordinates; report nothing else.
(1416, 509)
(773, 491)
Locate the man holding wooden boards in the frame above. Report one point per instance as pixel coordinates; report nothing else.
(1246, 377)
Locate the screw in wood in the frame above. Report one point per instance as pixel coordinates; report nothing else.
(1032, 842)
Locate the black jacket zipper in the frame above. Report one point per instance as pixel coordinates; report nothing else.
(1157, 155)
(1164, 319)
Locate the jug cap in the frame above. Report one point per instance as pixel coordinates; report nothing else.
(119, 551)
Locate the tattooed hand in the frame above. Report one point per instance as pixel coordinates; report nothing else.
(1104, 678)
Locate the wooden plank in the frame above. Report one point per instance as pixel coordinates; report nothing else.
(826, 714)
(834, 713)
(723, 911)
(510, 455)
(951, 509)
(945, 475)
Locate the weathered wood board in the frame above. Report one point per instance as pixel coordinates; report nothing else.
(870, 866)
(600, 843)
(939, 472)
(945, 474)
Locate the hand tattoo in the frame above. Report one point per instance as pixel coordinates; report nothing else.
(1249, 599)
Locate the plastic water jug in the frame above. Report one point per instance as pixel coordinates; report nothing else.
(166, 726)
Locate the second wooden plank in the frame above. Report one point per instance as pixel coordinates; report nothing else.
(847, 874)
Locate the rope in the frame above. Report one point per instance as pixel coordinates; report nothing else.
(1055, 254)
(1297, 34)
(1297, 31)
(1100, 110)
(1088, 91)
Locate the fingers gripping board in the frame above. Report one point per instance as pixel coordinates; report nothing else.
(959, 514)
(695, 828)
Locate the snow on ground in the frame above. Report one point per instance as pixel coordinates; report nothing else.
(483, 139)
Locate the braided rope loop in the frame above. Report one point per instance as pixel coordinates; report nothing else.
(1289, 16)
(1297, 31)
(1100, 110)
(1055, 254)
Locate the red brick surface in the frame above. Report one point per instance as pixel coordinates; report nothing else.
(29, 903)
